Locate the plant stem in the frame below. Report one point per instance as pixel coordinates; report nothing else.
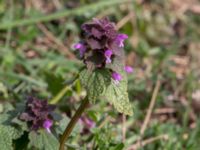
(73, 122)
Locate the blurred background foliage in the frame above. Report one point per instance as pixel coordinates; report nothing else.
(36, 58)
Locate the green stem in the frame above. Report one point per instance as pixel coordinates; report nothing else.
(73, 122)
(63, 91)
(60, 95)
(65, 13)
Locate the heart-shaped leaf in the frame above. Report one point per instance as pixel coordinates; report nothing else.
(99, 84)
(117, 95)
(95, 82)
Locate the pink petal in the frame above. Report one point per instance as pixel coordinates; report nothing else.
(128, 69)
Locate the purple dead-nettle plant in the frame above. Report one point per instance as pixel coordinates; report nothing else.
(38, 114)
(102, 51)
(101, 45)
(104, 76)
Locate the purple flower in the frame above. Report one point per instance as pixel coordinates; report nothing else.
(81, 47)
(117, 77)
(128, 69)
(37, 114)
(87, 124)
(100, 28)
(102, 44)
(47, 125)
(99, 36)
(108, 54)
(120, 39)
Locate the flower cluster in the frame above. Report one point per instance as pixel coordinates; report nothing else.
(102, 44)
(38, 114)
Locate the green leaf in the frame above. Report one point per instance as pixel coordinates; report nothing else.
(21, 124)
(7, 134)
(4, 117)
(5, 139)
(9, 129)
(117, 95)
(62, 124)
(95, 82)
(43, 141)
(6, 107)
(99, 84)
(55, 83)
(3, 90)
(118, 147)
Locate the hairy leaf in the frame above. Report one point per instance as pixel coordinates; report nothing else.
(117, 95)
(5, 139)
(95, 82)
(43, 141)
(4, 117)
(7, 134)
(99, 84)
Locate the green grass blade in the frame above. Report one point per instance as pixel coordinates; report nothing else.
(65, 13)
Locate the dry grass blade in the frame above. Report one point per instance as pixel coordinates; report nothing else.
(150, 109)
(52, 38)
(108, 118)
(148, 141)
(123, 21)
(164, 111)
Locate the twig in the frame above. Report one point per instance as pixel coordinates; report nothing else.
(73, 122)
(150, 109)
(55, 40)
(165, 110)
(148, 141)
(149, 112)
(123, 21)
